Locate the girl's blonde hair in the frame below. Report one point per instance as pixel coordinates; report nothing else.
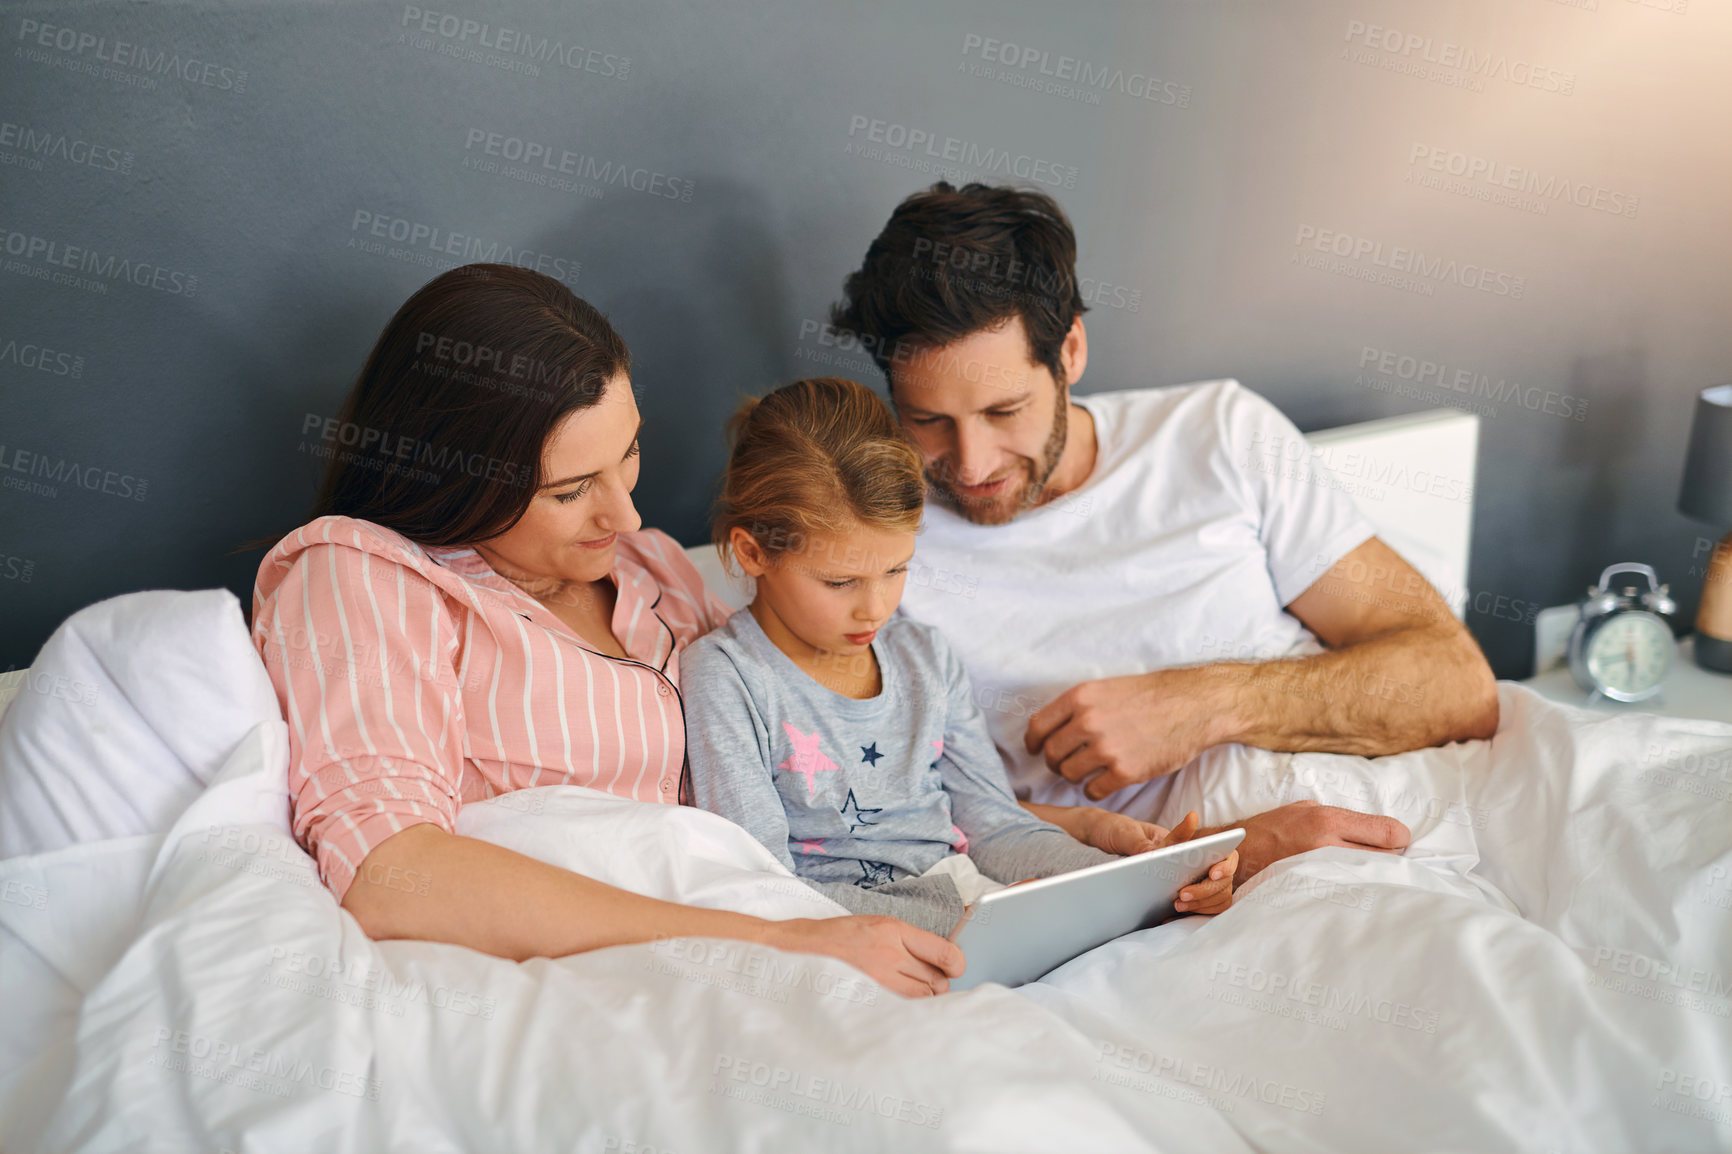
(816, 456)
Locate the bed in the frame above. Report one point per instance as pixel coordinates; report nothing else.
(1549, 967)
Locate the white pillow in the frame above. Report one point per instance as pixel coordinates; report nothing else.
(10, 685)
(734, 589)
(127, 713)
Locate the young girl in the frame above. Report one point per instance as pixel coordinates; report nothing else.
(843, 738)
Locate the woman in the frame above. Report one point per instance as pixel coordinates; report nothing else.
(474, 611)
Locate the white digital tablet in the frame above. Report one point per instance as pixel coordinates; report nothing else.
(1021, 933)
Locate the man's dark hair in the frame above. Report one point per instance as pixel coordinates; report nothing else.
(955, 261)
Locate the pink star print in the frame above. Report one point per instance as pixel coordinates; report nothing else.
(806, 760)
(958, 839)
(938, 748)
(816, 845)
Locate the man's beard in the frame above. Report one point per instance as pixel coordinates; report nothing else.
(997, 510)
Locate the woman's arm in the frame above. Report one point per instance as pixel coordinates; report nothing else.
(429, 885)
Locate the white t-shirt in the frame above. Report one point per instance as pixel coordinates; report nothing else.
(1205, 515)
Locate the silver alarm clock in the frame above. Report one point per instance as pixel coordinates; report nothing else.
(1622, 645)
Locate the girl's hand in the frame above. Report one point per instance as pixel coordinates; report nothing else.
(1212, 893)
(1115, 833)
(903, 958)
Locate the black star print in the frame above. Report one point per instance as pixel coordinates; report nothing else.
(869, 754)
(874, 874)
(859, 819)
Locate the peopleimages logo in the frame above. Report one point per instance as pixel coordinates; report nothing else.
(1297, 459)
(1484, 178)
(369, 230)
(1071, 76)
(124, 54)
(793, 1090)
(41, 358)
(383, 443)
(1400, 262)
(1227, 1086)
(514, 43)
(546, 164)
(1432, 59)
(16, 568)
(865, 132)
(1472, 383)
(35, 145)
(240, 1064)
(65, 472)
(36, 250)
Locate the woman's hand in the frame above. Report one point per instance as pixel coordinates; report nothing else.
(903, 958)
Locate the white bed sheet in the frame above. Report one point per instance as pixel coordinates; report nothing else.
(1547, 968)
(248, 1012)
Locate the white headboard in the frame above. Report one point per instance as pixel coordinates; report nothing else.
(1411, 476)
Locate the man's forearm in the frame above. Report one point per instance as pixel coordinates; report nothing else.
(1412, 688)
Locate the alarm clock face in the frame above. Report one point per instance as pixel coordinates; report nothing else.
(1629, 654)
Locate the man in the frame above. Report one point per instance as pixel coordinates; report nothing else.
(1105, 564)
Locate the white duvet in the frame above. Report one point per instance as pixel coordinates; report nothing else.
(1549, 967)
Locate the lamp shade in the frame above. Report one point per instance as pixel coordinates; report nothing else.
(1707, 490)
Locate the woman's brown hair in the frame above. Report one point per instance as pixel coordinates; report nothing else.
(816, 456)
(441, 437)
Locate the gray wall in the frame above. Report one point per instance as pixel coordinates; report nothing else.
(240, 144)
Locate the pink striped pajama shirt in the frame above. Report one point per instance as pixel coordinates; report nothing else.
(416, 679)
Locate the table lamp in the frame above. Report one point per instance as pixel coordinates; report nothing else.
(1706, 495)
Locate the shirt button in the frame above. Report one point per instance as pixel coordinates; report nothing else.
(667, 786)
(661, 688)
